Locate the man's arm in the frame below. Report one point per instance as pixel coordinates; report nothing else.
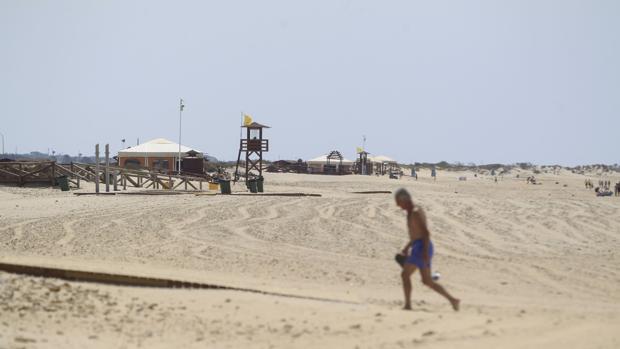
(406, 248)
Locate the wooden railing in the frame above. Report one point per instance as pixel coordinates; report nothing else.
(255, 145)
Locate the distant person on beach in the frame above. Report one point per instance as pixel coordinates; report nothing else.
(419, 251)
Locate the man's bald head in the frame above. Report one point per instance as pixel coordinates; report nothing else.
(403, 199)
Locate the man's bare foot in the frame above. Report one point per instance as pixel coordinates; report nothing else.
(456, 304)
(407, 307)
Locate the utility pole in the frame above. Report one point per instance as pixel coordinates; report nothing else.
(181, 107)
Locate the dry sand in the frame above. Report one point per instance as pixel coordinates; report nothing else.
(535, 266)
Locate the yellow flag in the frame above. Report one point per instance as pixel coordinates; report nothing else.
(359, 150)
(247, 120)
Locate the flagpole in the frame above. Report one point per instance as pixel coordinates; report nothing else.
(180, 124)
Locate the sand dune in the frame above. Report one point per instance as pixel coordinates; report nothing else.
(536, 266)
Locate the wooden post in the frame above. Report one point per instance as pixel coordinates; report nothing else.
(74, 175)
(115, 180)
(97, 168)
(21, 178)
(169, 182)
(124, 183)
(107, 168)
(200, 185)
(185, 183)
(53, 174)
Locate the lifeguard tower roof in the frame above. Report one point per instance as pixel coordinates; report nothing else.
(256, 125)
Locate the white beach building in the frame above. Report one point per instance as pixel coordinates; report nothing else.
(158, 153)
(330, 164)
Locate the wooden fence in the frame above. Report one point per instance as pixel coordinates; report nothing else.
(22, 172)
(46, 172)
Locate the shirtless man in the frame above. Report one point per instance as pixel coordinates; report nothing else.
(418, 251)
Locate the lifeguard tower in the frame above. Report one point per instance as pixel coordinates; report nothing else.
(363, 163)
(253, 145)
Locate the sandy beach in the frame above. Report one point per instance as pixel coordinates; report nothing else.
(535, 266)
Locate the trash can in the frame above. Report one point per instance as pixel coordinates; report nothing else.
(225, 186)
(253, 186)
(259, 184)
(63, 183)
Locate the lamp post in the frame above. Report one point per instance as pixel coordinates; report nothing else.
(181, 107)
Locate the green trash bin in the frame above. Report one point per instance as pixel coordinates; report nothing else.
(259, 184)
(63, 183)
(253, 186)
(225, 186)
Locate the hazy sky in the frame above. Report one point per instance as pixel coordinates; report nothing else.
(470, 81)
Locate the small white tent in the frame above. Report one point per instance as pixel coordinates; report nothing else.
(382, 159)
(382, 164)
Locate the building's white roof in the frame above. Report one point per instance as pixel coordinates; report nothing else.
(159, 147)
(322, 160)
(382, 159)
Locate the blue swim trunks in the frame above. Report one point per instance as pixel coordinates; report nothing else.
(416, 256)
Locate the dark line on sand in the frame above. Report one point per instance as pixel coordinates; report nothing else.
(138, 281)
(372, 192)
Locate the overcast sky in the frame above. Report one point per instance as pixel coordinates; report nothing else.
(470, 81)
